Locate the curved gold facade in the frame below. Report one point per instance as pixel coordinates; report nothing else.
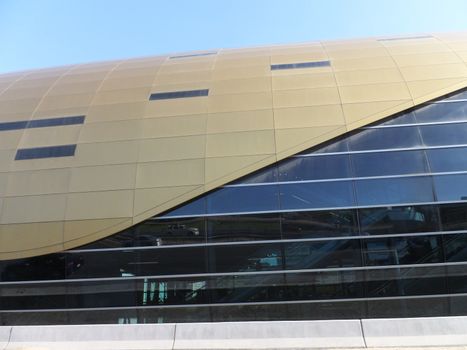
(136, 158)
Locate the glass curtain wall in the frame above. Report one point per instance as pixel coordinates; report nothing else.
(373, 224)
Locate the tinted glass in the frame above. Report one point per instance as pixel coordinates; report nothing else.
(457, 96)
(317, 195)
(447, 159)
(196, 207)
(445, 134)
(244, 227)
(385, 138)
(394, 191)
(340, 145)
(325, 285)
(314, 168)
(246, 257)
(393, 220)
(455, 247)
(159, 232)
(178, 94)
(406, 281)
(266, 175)
(44, 267)
(316, 224)
(243, 199)
(45, 152)
(33, 296)
(316, 255)
(102, 293)
(451, 187)
(442, 112)
(300, 65)
(125, 238)
(406, 118)
(389, 163)
(402, 250)
(453, 216)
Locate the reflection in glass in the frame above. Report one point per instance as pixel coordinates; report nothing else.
(442, 112)
(315, 224)
(455, 247)
(405, 118)
(392, 220)
(195, 207)
(451, 187)
(385, 138)
(317, 195)
(394, 191)
(315, 255)
(402, 250)
(314, 168)
(243, 199)
(445, 134)
(266, 175)
(447, 159)
(453, 216)
(244, 227)
(389, 163)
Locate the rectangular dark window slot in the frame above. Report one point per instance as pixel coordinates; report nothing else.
(193, 55)
(42, 123)
(315, 64)
(46, 152)
(407, 38)
(178, 94)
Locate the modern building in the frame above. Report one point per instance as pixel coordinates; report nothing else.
(324, 180)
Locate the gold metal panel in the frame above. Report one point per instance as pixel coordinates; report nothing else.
(172, 148)
(303, 81)
(136, 158)
(170, 173)
(240, 143)
(306, 97)
(99, 205)
(102, 178)
(27, 183)
(240, 121)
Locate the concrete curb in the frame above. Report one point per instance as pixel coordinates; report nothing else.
(369, 333)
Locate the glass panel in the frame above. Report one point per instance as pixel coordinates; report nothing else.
(389, 163)
(447, 159)
(394, 191)
(314, 168)
(455, 247)
(101, 294)
(457, 96)
(125, 238)
(172, 291)
(453, 216)
(316, 255)
(246, 257)
(316, 224)
(300, 65)
(406, 281)
(386, 138)
(402, 250)
(33, 296)
(158, 232)
(45, 152)
(391, 220)
(333, 146)
(404, 307)
(44, 267)
(244, 227)
(457, 278)
(99, 264)
(266, 175)
(451, 187)
(317, 195)
(446, 134)
(243, 199)
(171, 261)
(442, 112)
(406, 118)
(195, 207)
(178, 94)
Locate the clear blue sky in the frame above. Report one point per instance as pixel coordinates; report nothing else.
(43, 33)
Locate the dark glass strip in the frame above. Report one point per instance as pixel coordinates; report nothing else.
(300, 65)
(193, 55)
(407, 38)
(41, 123)
(178, 94)
(46, 152)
